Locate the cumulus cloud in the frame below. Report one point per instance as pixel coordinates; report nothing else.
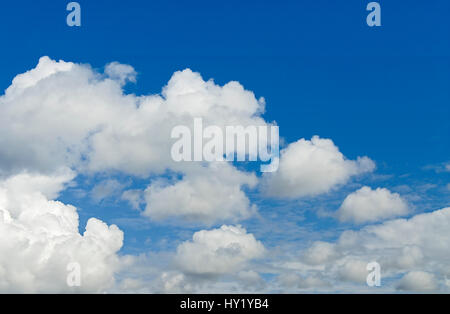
(227, 253)
(367, 205)
(426, 231)
(251, 280)
(174, 282)
(106, 189)
(66, 114)
(218, 251)
(62, 114)
(353, 270)
(295, 281)
(40, 238)
(45, 68)
(418, 281)
(309, 168)
(416, 247)
(420, 243)
(206, 194)
(320, 253)
(120, 72)
(25, 183)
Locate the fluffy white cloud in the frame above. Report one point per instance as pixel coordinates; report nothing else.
(206, 194)
(66, 114)
(419, 244)
(122, 73)
(367, 205)
(251, 280)
(320, 253)
(218, 251)
(400, 246)
(226, 252)
(62, 114)
(175, 282)
(39, 238)
(418, 281)
(309, 168)
(426, 231)
(353, 270)
(34, 183)
(45, 68)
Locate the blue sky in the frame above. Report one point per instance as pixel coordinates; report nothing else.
(381, 92)
(316, 62)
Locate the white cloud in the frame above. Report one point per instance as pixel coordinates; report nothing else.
(410, 257)
(25, 183)
(309, 168)
(175, 282)
(66, 114)
(106, 189)
(294, 281)
(227, 252)
(218, 251)
(251, 280)
(120, 72)
(367, 205)
(353, 270)
(45, 68)
(62, 114)
(419, 244)
(206, 194)
(134, 197)
(39, 238)
(320, 253)
(426, 231)
(418, 281)
(399, 246)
